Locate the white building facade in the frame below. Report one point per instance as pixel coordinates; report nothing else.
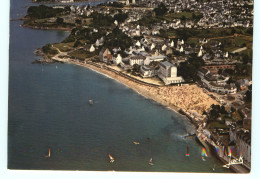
(168, 73)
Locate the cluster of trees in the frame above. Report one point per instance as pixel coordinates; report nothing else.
(188, 70)
(47, 49)
(196, 17)
(160, 10)
(215, 111)
(136, 69)
(243, 70)
(248, 94)
(118, 39)
(106, 20)
(148, 21)
(208, 33)
(115, 4)
(41, 12)
(87, 34)
(101, 20)
(121, 17)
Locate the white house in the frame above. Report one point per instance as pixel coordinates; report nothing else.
(172, 44)
(152, 46)
(150, 59)
(92, 48)
(226, 55)
(118, 59)
(138, 59)
(138, 43)
(164, 47)
(200, 52)
(181, 49)
(116, 23)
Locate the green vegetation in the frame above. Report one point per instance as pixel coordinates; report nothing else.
(49, 50)
(217, 116)
(64, 47)
(112, 4)
(82, 54)
(183, 16)
(217, 33)
(41, 12)
(216, 125)
(85, 34)
(233, 43)
(87, 21)
(216, 111)
(121, 17)
(188, 69)
(160, 10)
(100, 20)
(248, 94)
(148, 21)
(117, 39)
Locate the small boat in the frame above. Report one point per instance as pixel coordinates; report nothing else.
(111, 158)
(151, 162)
(187, 154)
(189, 135)
(136, 143)
(213, 168)
(49, 155)
(204, 154)
(90, 101)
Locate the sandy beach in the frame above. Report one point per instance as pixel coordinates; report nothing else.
(190, 98)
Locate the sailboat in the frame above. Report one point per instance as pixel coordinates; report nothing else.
(187, 154)
(213, 168)
(151, 161)
(111, 158)
(204, 154)
(49, 155)
(90, 101)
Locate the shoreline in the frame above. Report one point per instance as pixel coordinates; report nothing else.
(137, 88)
(68, 29)
(147, 91)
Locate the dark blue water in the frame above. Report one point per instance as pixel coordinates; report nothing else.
(49, 108)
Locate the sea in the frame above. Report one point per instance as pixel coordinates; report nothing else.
(49, 109)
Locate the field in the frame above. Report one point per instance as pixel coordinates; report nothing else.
(187, 15)
(82, 54)
(64, 47)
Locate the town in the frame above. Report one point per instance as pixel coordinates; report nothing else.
(166, 45)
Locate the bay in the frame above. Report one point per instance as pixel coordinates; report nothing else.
(49, 108)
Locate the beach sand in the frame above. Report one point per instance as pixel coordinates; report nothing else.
(190, 98)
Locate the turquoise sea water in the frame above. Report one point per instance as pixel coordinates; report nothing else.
(49, 108)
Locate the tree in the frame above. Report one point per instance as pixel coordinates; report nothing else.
(77, 43)
(59, 21)
(183, 18)
(136, 68)
(160, 10)
(121, 17)
(249, 94)
(41, 12)
(117, 39)
(78, 21)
